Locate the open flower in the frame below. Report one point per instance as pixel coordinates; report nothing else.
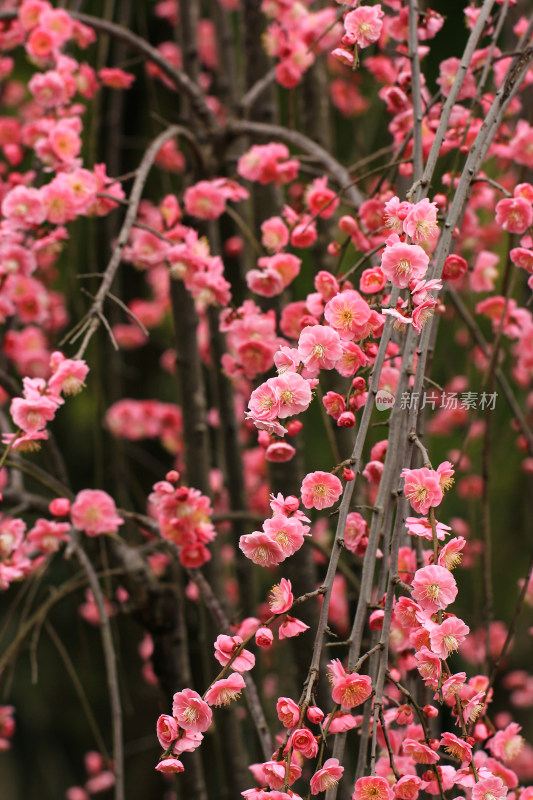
(94, 512)
(327, 777)
(447, 637)
(225, 646)
(363, 26)
(222, 692)
(288, 712)
(434, 588)
(281, 597)
(261, 548)
(372, 788)
(422, 488)
(320, 490)
(191, 712)
(348, 314)
(402, 262)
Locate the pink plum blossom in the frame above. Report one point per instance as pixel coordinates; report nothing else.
(447, 637)
(288, 712)
(204, 200)
(225, 646)
(514, 214)
(222, 692)
(290, 627)
(320, 490)
(489, 788)
(348, 314)
(422, 489)
(293, 392)
(402, 262)
(268, 163)
(281, 597)
(167, 730)
(434, 588)
(327, 777)
(304, 742)
(420, 222)
(322, 201)
(264, 637)
(372, 788)
(456, 747)
(287, 532)
(319, 347)
(261, 548)
(506, 744)
(94, 512)
(363, 26)
(191, 712)
(419, 752)
(170, 766)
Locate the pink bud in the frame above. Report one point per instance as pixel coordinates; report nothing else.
(264, 637)
(375, 621)
(294, 427)
(173, 476)
(334, 249)
(315, 714)
(59, 506)
(348, 474)
(279, 452)
(432, 712)
(263, 439)
(307, 320)
(291, 503)
(371, 349)
(234, 246)
(346, 420)
(404, 715)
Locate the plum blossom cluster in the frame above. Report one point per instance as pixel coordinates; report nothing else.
(147, 419)
(22, 551)
(184, 518)
(296, 35)
(281, 536)
(251, 340)
(36, 204)
(424, 636)
(94, 512)
(192, 715)
(164, 247)
(335, 328)
(41, 399)
(331, 344)
(99, 778)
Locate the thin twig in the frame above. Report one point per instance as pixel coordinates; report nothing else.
(94, 318)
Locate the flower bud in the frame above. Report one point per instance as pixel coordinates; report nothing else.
(264, 637)
(294, 427)
(315, 714)
(346, 420)
(59, 506)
